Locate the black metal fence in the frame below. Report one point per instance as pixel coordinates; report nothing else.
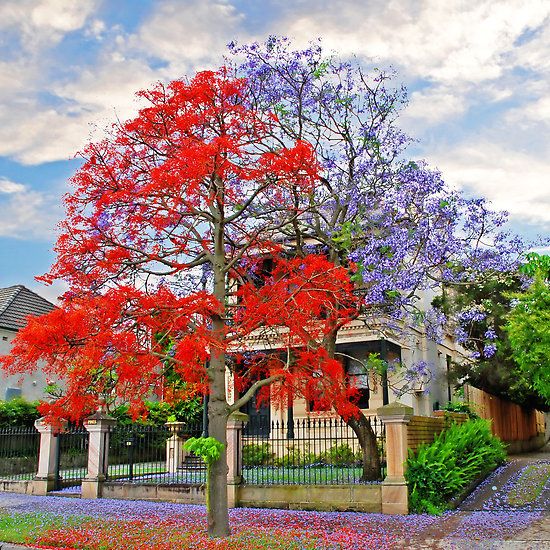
(314, 451)
(72, 458)
(141, 454)
(19, 447)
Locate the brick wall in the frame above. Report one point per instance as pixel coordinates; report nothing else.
(422, 429)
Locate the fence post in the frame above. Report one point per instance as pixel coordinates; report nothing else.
(175, 453)
(98, 426)
(235, 425)
(46, 477)
(395, 498)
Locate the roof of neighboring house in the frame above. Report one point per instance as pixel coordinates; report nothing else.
(17, 303)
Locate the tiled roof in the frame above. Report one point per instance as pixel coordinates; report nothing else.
(18, 302)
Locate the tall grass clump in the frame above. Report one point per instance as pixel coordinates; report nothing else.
(441, 470)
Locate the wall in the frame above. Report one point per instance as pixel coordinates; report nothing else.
(423, 429)
(358, 498)
(190, 494)
(31, 385)
(520, 428)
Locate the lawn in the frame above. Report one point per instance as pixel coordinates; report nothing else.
(307, 475)
(106, 524)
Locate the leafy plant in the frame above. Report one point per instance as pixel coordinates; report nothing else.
(256, 455)
(461, 407)
(158, 413)
(528, 327)
(441, 470)
(208, 448)
(339, 455)
(18, 412)
(295, 456)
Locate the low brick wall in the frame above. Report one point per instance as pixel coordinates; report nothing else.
(25, 487)
(423, 429)
(357, 498)
(184, 494)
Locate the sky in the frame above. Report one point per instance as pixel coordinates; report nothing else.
(477, 74)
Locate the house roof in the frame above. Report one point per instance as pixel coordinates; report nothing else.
(17, 303)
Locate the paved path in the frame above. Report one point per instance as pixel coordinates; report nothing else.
(489, 505)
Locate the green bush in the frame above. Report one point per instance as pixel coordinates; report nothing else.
(296, 457)
(256, 455)
(158, 413)
(443, 469)
(18, 412)
(339, 455)
(461, 407)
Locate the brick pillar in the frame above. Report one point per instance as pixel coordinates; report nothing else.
(175, 453)
(98, 426)
(45, 478)
(235, 425)
(395, 498)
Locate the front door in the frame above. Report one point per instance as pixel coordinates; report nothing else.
(259, 418)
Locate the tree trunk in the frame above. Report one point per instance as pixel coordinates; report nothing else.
(363, 430)
(367, 439)
(218, 512)
(218, 409)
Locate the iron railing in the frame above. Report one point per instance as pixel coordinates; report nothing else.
(19, 448)
(72, 457)
(140, 454)
(314, 451)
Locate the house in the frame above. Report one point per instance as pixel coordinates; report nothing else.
(400, 346)
(16, 304)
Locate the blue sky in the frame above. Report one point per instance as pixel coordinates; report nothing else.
(478, 75)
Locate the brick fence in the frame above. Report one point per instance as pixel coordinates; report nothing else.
(423, 429)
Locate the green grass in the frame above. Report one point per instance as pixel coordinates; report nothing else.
(152, 533)
(529, 485)
(24, 527)
(313, 475)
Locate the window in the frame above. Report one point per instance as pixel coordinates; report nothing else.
(359, 377)
(12, 393)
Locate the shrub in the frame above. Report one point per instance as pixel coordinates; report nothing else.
(443, 469)
(296, 457)
(256, 455)
(18, 412)
(461, 407)
(339, 455)
(158, 413)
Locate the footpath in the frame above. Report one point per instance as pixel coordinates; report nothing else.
(510, 510)
(499, 506)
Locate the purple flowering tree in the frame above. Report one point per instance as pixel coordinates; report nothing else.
(392, 220)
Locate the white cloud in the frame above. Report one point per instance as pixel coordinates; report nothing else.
(50, 292)
(183, 37)
(465, 41)
(434, 105)
(44, 22)
(534, 112)
(189, 34)
(27, 214)
(514, 181)
(7, 187)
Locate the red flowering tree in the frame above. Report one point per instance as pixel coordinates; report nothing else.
(167, 214)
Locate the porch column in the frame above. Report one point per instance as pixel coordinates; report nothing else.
(235, 425)
(98, 426)
(395, 498)
(46, 477)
